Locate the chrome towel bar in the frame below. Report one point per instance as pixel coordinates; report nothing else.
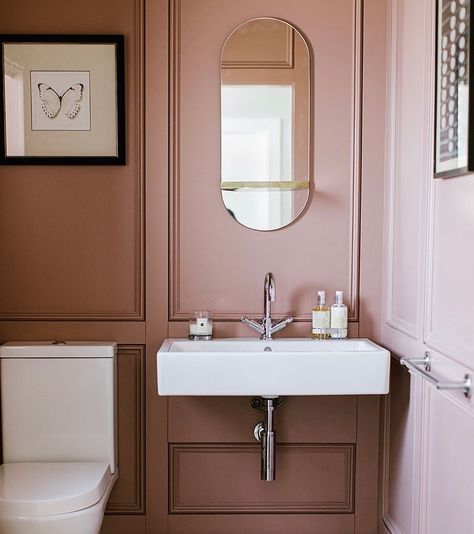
(413, 364)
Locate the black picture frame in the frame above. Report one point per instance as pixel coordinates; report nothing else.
(78, 118)
(454, 102)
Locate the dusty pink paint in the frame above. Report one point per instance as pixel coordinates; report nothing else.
(428, 298)
(216, 263)
(219, 265)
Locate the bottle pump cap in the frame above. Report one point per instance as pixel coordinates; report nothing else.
(339, 297)
(322, 297)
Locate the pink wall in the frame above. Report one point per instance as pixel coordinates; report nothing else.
(71, 240)
(333, 245)
(217, 264)
(93, 262)
(428, 296)
(322, 249)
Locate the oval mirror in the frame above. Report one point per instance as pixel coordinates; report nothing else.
(265, 123)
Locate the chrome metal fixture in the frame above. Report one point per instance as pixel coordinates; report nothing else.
(266, 328)
(465, 386)
(264, 433)
(425, 361)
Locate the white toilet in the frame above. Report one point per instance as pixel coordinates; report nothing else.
(59, 436)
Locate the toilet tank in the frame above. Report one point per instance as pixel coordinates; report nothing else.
(59, 402)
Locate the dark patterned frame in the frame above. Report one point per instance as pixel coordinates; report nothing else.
(454, 50)
(119, 158)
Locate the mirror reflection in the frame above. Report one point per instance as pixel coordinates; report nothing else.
(265, 128)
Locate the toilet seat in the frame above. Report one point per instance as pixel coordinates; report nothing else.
(48, 489)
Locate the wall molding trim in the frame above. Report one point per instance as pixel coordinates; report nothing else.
(137, 103)
(131, 433)
(174, 169)
(284, 63)
(390, 524)
(402, 326)
(189, 500)
(356, 186)
(459, 348)
(392, 319)
(176, 312)
(140, 168)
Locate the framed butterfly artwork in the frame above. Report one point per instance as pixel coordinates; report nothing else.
(62, 100)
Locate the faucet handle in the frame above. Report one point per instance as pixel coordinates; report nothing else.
(253, 324)
(279, 326)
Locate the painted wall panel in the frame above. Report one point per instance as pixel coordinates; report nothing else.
(405, 166)
(374, 132)
(72, 242)
(400, 435)
(217, 264)
(428, 470)
(128, 494)
(449, 483)
(71, 236)
(451, 287)
(221, 479)
(99, 275)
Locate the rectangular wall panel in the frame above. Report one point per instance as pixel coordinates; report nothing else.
(450, 288)
(429, 295)
(216, 263)
(448, 482)
(128, 494)
(406, 165)
(72, 236)
(400, 453)
(311, 478)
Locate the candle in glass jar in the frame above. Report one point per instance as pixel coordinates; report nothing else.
(202, 327)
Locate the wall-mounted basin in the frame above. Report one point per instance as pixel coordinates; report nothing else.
(272, 368)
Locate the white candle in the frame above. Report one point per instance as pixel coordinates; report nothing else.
(202, 327)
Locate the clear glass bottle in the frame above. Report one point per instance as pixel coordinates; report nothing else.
(321, 317)
(339, 317)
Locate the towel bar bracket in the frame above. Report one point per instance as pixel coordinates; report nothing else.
(413, 364)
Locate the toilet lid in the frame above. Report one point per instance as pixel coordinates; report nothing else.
(40, 489)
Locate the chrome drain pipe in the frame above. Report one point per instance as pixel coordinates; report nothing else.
(268, 445)
(264, 433)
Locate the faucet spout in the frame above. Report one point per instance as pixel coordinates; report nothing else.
(269, 295)
(266, 328)
(269, 287)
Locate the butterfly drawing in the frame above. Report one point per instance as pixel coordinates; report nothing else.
(69, 101)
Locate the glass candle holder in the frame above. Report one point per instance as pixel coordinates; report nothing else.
(200, 326)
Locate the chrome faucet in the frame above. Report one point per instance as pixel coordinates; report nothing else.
(266, 328)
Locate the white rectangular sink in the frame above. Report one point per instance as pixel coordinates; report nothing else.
(269, 368)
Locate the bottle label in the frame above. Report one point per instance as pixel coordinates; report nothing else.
(321, 319)
(339, 317)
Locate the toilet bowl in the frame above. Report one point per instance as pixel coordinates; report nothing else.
(54, 498)
(58, 403)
